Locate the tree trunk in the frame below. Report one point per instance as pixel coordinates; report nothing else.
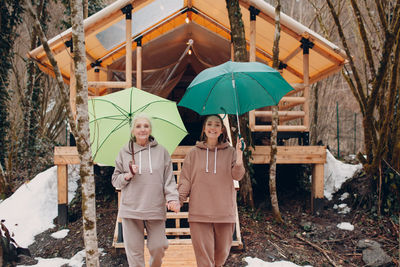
(275, 118)
(83, 138)
(240, 54)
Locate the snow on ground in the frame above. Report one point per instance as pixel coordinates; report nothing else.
(33, 207)
(336, 173)
(255, 262)
(346, 226)
(60, 234)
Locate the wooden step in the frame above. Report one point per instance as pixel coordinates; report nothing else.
(179, 215)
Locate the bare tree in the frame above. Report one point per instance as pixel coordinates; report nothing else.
(373, 51)
(274, 131)
(81, 123)
(240, 54)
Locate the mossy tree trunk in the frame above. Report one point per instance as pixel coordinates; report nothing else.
(83, 136)
(240, 55)
(275, 118)
(80, 127)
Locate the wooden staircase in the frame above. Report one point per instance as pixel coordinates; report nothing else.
(180, 251)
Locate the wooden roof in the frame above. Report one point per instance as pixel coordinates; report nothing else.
(163, 27)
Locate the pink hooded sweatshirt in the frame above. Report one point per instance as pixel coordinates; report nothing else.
(207, 178)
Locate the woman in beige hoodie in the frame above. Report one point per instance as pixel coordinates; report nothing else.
(207, 178)
(147, 187)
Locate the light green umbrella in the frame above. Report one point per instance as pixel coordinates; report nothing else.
(110, 118)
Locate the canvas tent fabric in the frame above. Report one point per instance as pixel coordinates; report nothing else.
(165, 27)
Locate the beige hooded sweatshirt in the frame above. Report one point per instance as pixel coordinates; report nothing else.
(207, 178)
(145, 195)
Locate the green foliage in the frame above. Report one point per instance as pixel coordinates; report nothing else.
(93, 7)
(10, 18)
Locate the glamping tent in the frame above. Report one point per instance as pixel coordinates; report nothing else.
(161, 45)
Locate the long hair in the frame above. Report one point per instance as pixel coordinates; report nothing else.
(223, 136)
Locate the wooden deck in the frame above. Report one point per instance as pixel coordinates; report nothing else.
(176, 256)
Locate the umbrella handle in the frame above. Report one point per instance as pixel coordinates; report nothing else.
(242, 146)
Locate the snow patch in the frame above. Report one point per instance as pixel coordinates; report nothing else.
(346, 226)
(60, 234)
(33, 207)
(336, 173)
(256, 262)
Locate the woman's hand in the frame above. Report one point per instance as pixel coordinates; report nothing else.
(174, 206)
(239, 151)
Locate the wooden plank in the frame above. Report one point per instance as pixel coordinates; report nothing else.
(290, 155)
(176, 256)
(62, 184)
(64, 155)
(281, 128)
(179, 215)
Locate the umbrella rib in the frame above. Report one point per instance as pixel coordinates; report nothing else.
(157, 118)
(261, 86)
(121, 110)
(119, 126)
(212, 88)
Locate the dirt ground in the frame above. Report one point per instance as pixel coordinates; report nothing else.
(304, 238)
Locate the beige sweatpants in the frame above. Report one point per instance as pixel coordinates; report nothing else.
(211, 242)
(157, 243)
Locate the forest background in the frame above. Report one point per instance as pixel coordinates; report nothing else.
(353, 112)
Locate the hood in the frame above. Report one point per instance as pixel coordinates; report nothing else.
(220, 146)
(203, 145)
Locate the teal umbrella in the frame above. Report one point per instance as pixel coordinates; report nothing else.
(235, 88)
(110, 119)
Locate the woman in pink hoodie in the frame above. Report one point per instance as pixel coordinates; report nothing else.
(147, 186)
(207, 178)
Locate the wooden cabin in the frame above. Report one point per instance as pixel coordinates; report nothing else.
(161, 45)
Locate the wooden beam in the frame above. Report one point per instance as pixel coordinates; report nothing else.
(290, 155)
(128, 56)
(306, 79)
(64, 155)
(281, 128)
(293, 114)
(139, 67)
(107, 84)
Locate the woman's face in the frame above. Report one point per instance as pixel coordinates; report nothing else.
(213, 128)
(142, 130)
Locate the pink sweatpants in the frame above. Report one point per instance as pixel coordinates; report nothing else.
(211, 242)
(157, 243)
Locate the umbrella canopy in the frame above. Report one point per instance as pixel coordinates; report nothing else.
(235, 88)
(110, 119)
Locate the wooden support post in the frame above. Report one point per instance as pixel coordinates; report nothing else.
(306, 45)
(128, 19)
(62, 157)
(62, 186)
(97, 78)
(317, 191)
(72, 89)
(253, 14)
(139, 63)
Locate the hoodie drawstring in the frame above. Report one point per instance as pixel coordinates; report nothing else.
(140, 161)
(207, 160)
(215, 160)
(151, 169)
